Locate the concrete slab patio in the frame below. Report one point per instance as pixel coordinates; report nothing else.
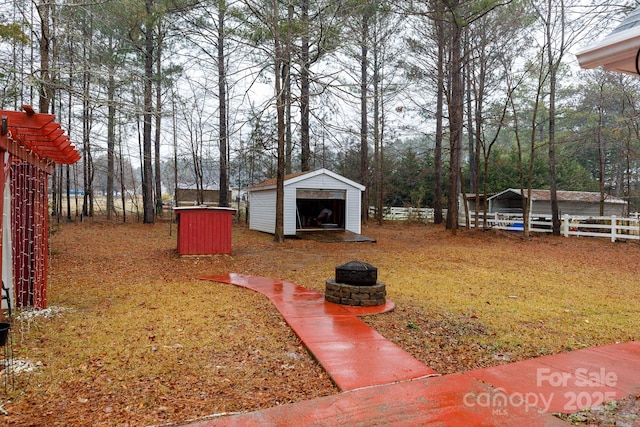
(384, 385)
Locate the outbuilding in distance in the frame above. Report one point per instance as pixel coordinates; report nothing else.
(582, 203)
(306, 195)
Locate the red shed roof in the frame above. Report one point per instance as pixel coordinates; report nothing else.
(36, 138)
(273, 181)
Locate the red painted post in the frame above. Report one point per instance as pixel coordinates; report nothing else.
(4, 161)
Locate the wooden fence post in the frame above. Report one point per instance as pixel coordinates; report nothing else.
(613, 228)
(565, 220)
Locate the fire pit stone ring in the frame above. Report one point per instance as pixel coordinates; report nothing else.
(356, 284)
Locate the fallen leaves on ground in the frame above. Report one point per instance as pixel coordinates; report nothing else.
(140, 341)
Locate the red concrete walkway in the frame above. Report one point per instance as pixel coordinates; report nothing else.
(387, 386)
(353, 354)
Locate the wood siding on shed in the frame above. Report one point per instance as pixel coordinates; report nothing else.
(204, 231)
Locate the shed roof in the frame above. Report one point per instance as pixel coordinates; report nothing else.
(301, 176)
(564, 196)
(36, 138)
(617, 51)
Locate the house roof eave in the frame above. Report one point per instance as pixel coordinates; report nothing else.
(616, 52)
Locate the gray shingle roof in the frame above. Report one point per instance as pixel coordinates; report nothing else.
(631, 21)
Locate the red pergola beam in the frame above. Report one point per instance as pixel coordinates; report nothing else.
(37, 139)
(35, 143)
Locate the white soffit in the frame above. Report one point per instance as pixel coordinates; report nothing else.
(618, 51)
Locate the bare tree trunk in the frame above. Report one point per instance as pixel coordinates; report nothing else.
(601, 148)
(44, 11)
(287, 92)
(456, 103)
(526, 178)
(111, 141)
(364, 129)
(69, 122)
(158, 117)
(280, 76)
(377, 123)
(437, 153)
(122, 177)
(56, 179)
(467, 72)
(478, 68)
(68, 190)
(223, 193)
(54, 192)
(471, 147)
(175, 149)
(87, 199)
(554, 63)
(304, 91)
(147, 171)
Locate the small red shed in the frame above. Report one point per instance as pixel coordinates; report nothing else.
(30, 145)
(204, 230)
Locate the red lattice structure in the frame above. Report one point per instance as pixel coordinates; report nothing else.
(30, 146)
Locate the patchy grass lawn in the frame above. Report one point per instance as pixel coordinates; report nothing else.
(141, 341)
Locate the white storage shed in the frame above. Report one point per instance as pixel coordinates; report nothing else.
(306, 194)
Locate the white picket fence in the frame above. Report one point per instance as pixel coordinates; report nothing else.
(392, 213)
(612, 227)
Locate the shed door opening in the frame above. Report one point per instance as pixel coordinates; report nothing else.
(310, 203)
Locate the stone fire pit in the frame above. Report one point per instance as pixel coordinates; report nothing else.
(356, 283)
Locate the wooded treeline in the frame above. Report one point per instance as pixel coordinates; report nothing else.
(420, 101)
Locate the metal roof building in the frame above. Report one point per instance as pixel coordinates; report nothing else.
(583, 203)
